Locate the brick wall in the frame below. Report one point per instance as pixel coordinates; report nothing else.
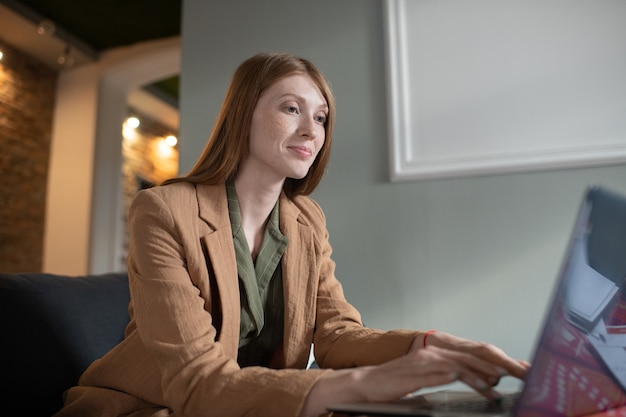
(147, 161)
(27, 91)
(27, 94)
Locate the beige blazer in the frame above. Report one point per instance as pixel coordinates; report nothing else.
(179, 354)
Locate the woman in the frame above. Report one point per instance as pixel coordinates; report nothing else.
(231, 280)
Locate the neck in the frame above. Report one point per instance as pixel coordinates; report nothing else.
(256, 202)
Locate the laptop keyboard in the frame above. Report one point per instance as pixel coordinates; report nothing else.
(452, 401)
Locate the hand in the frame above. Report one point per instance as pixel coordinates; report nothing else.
(485, 351)
(419, 368)
(429, 367)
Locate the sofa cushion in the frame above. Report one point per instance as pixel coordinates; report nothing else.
(52, 328)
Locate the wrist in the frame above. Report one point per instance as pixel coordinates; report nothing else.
(426, 336)
(335, 387)
(420, 340)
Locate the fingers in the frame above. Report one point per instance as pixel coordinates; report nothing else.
(495, 355)
(408, 374)
(472, 362)
(433, 366)
(473, 371)
(484, 351)
(480, 386)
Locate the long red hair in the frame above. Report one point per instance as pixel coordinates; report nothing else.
(229, 141)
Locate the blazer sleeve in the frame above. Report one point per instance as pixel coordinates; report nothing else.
(197, 376)
(340, 339)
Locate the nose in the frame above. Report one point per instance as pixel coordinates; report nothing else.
(308, 128)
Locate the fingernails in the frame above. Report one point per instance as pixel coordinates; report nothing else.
(502, 371)
(488, 391)
(482, 385)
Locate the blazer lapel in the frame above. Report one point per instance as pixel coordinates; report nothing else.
(299, 285)
(213, 209)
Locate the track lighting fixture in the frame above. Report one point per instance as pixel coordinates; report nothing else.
(66, 59)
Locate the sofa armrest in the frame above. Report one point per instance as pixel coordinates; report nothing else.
(53, 327)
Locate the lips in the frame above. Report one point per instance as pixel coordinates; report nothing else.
(303, 151)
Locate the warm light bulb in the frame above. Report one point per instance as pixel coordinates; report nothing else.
(132, 122)
(171, 140)
(164, 149)
(1, 55)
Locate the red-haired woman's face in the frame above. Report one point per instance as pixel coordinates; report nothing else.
(287, 130)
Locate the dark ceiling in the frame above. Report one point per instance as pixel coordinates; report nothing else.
(104, 24)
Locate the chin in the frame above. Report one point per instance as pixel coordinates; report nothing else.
(298, 175)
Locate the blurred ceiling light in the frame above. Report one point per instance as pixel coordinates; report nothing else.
(132, 122)
(171, 140)
(46, 27)
(66, 58)
(129, 131)
(164, 150)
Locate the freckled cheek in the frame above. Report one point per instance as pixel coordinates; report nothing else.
(269, 127)
(269, 134)
(284, 126)
(278, 129)
(319, 144)
(321, 138)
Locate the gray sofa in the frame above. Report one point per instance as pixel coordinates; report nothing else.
(52, 328)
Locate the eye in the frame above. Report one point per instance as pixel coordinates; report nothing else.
(320, 119)
(292, 109)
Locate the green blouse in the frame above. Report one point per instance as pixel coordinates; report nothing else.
(260, 287)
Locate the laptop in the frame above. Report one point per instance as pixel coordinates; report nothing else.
(579, 361)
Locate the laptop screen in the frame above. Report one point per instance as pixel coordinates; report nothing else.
(579, 366)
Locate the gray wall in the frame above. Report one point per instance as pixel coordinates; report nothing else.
(476, 256)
